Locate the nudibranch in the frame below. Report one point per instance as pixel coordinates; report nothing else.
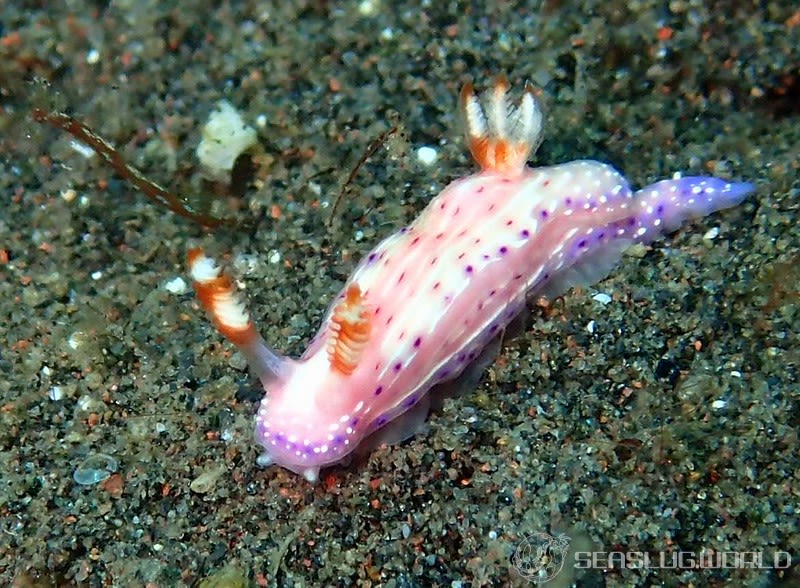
(423, 304)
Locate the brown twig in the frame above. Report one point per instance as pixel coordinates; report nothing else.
(368, 152)
(113, 158)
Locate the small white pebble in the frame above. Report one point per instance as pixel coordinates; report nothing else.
(368, 7)
(387, 34)
(68, 195)
(245, 263)
(56, 393)
(736, 374)
(261, 121)
(602, 298)
(359, 235)
(93, 56)
(207, 480)
(97, 275)
(590, 326)
(274, 256)
(74, 340)
(82, 149)
(711, 233)
(717, 404)
(427, 155)
(96, 468)
(176, 286)
(45, 370)
(492, 535)
(315, 188)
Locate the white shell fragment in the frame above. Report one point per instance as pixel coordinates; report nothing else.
(225, 137)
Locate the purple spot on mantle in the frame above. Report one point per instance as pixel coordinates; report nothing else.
(544, 214)
(525, 233)
(417, 341)
(398, 366)
(378, 390)
(468, 269)
(503, 250)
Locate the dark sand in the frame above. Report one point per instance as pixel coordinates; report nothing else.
(671, 426)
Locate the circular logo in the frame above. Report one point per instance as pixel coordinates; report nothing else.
(540, 557)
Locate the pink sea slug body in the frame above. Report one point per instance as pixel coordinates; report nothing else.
(423, 304)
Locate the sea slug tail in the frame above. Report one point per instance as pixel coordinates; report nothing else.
(501, 137)
(598, 241)
(665, 205)
(219, 298)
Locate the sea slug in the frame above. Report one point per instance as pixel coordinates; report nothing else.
(423, 304)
